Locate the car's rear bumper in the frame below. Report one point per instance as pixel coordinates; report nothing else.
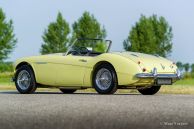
(155, 75)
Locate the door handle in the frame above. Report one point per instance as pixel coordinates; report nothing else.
(82, 60)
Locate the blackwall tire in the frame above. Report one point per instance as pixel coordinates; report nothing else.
(150, 90)
(68, 91)
(105, 79)
(25, 80)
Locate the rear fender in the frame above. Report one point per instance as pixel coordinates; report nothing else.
(124, 68)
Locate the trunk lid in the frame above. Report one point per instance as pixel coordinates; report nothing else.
(149, 62)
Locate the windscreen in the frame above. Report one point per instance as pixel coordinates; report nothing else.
(94, 45)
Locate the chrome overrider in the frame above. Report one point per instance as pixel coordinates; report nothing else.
(154, 74)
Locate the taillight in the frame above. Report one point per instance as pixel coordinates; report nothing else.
(144, 69)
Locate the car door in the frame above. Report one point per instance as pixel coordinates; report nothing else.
(45, 70)
(71, 70)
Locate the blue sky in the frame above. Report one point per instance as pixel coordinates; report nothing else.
(31, 17)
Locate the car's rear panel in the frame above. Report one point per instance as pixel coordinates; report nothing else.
(151, 65)
(148, 62)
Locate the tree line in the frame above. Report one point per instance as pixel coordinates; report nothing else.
(187, 68)
(151, 35)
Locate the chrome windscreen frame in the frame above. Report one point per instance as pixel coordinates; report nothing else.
(154, 74)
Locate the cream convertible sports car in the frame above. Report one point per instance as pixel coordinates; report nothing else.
(88, 64)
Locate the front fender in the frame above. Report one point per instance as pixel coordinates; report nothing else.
(24, 61)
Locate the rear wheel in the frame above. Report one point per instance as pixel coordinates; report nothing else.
(68, 91)
(150, 90)
(104, 79)
(24, 80)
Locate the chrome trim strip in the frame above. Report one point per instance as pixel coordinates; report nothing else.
(41, 62)
(155, 75)
(64, 64)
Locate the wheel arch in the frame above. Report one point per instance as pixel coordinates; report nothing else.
(101, 63)
(21, 64)
(25, 63)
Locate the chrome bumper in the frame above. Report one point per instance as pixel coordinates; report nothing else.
(155, 75)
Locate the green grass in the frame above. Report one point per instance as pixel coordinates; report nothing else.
(189, 81)
(177, 89)
(185, 86)
(5, 81)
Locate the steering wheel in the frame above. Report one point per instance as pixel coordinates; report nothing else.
(83, 50)
(79, 51)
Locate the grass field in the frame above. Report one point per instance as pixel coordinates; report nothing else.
(185, 86)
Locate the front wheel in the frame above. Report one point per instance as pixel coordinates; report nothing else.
(104, 79)
(24, 80)
(150, 90)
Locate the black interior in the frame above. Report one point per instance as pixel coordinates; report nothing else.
(83, 51)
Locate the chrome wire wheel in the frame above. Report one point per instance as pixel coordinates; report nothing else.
(24, 80)
(103, 79)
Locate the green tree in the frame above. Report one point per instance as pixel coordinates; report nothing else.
(180, 65)
(192, 68)
(150, 35)
(186, 67)
(7, 37)
(56, 37)
(87, 26)
(6, 67)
